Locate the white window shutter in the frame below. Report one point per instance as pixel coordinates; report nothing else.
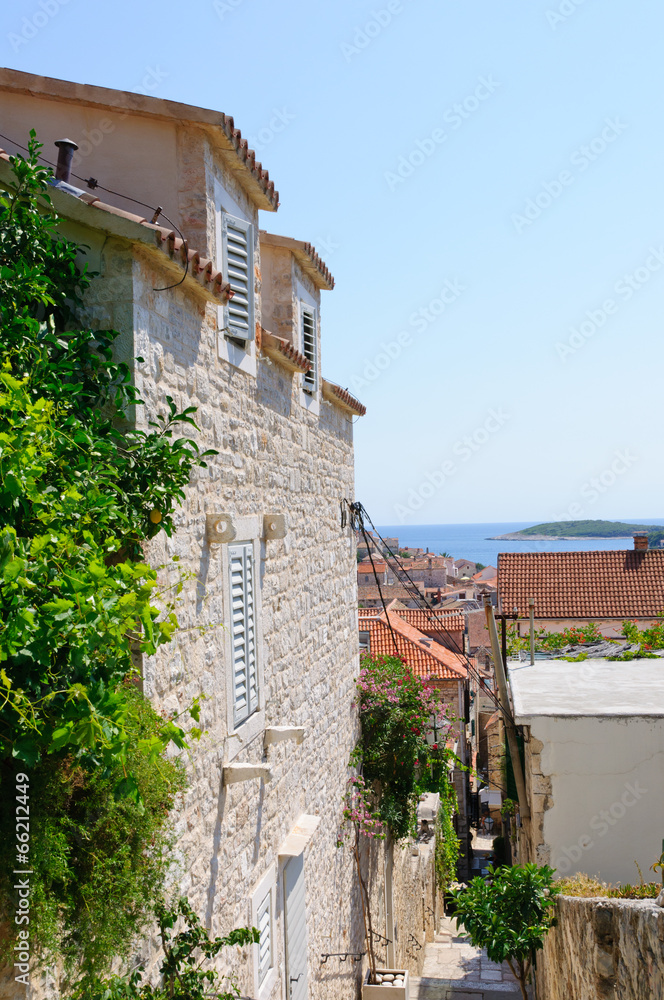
(243, 631)
(295, 917)
(264, 921)
(238, 270)
(309, 347)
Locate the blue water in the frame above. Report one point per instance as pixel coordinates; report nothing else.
(471, 541)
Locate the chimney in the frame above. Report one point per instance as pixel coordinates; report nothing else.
(66, 149)
(641, 541)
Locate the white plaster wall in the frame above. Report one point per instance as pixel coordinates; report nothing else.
(606, 804)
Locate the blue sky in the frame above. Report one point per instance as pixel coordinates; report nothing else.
(485, 183)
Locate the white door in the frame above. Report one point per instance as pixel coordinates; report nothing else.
(296, 929)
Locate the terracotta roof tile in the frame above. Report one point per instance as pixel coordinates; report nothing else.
(305, 254)
(335, 394)
(427, 621)
(247, 158)
(425, 657)
(282, 352)
(614, 583)
(422, 620)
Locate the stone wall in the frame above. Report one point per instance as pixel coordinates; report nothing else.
(273, 455)
(603, 949)
(532, 843)
(415, 900)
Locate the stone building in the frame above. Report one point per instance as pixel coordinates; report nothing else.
(268, 626)
(593, 752)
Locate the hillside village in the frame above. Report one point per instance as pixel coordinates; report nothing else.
(283, 600)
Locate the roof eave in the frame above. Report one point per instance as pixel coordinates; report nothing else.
(254, 180)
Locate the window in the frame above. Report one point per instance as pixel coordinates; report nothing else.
(264, 924)
(309, 347)
(243, 630)
(237, 249)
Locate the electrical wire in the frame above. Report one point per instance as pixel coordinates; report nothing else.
(93, 184)
(366, 539)
(438, 627)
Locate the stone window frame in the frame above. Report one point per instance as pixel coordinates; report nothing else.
(248, 529)
(267, 886)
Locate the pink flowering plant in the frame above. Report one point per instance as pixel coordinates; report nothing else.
(404, 725)
(360, 812)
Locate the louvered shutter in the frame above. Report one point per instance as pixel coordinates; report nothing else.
(238, 271)
(296, 928)
(264, 921)
(308, 333)
(243, 631)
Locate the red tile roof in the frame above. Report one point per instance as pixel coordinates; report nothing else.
(366, 567)
(615, 583)
(282, 352)
(305, 254)
(428, 621)
(335, 394)
(425, 657)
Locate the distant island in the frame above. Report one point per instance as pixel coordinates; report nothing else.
(578, 529)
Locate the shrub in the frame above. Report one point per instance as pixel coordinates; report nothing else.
(588, 886)
(185, 969)
(397, 713)
(99, 862)
(509, 915)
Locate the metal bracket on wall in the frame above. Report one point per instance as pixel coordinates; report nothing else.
(355, 956)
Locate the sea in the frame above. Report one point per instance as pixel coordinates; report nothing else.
(474, 541)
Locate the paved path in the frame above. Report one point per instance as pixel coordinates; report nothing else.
(455, 970)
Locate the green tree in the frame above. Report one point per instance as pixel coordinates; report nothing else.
(509, 915)
(81, 490)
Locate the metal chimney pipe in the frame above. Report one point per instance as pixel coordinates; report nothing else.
(66, 150)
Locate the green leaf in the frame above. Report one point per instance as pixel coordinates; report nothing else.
(26, 750)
